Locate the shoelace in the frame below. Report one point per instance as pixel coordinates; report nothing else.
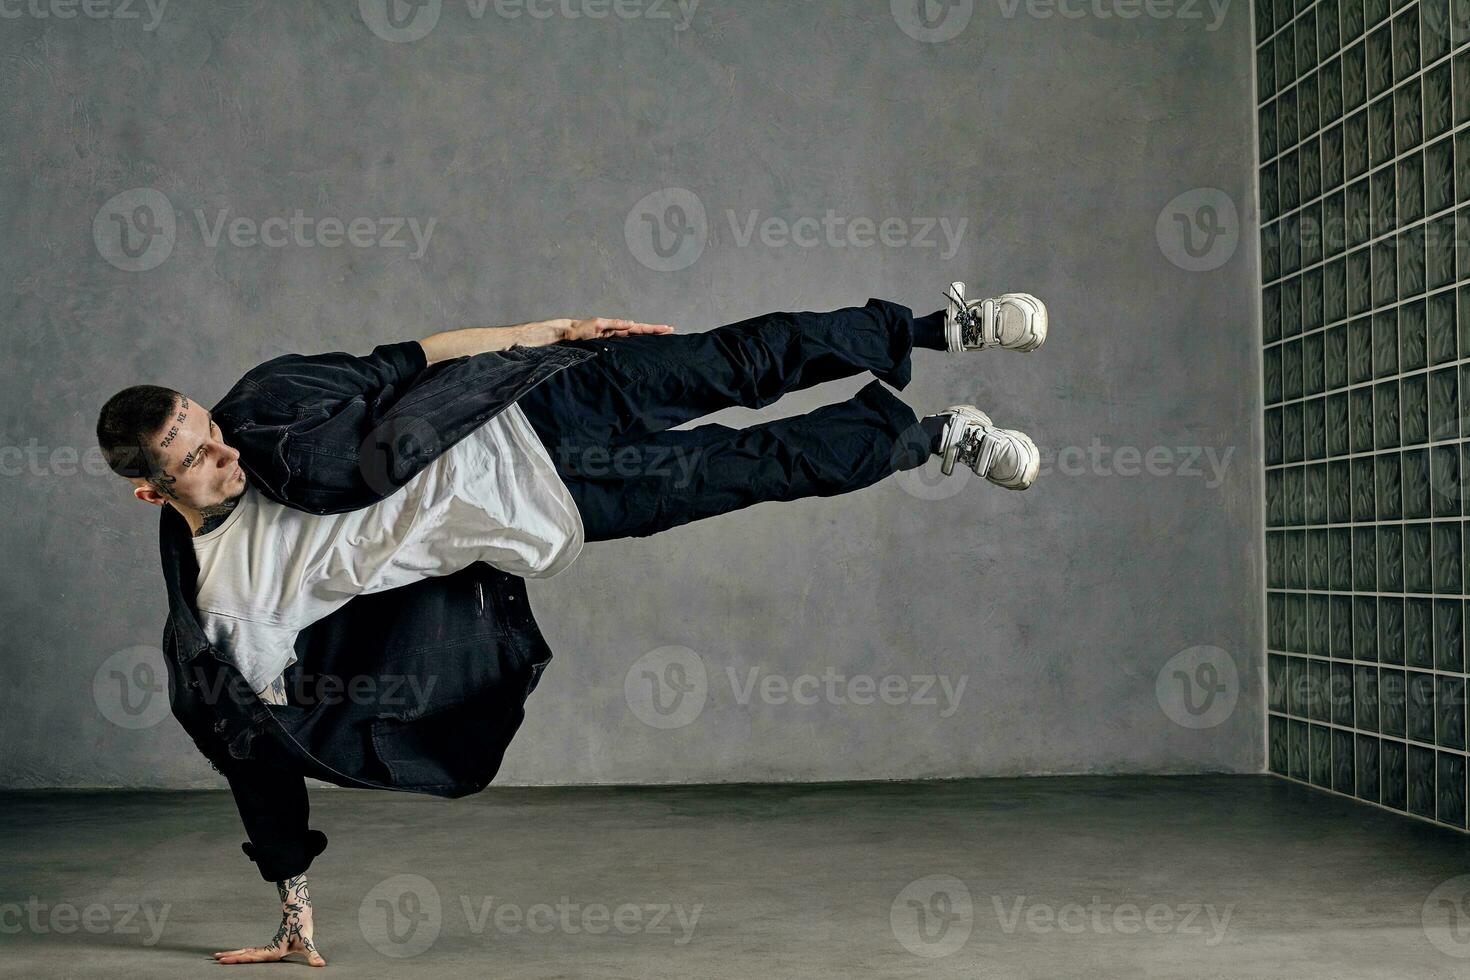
(971, 320)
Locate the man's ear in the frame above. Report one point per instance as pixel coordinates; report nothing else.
(149, 495)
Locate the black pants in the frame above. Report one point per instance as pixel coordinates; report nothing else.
(606, 421)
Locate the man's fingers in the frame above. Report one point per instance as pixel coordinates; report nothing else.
(254, 955)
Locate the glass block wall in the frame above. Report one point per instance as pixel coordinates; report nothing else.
(1364, 179)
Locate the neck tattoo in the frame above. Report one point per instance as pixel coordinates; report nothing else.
(215, 514)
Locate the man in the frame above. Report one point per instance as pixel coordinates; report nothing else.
(499, 461)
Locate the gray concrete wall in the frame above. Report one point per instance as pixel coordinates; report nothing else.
(1107, 620)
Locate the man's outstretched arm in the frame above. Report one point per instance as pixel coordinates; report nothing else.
(477, 340)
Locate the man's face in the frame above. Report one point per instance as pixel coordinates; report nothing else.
(198, 469)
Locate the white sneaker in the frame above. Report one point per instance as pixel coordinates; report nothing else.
(1005, 457)
(1014, 321)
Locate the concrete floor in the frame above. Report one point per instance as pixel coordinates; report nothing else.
(1214, 876)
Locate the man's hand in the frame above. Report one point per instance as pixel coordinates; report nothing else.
(295, 934)
(601, 326)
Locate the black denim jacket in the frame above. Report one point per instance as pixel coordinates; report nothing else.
(419, 688)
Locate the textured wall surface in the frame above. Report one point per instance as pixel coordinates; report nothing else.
(1364, 160)
(187, 193)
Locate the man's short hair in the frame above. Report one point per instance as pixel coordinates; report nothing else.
(127, 424)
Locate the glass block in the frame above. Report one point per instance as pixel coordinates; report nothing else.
(1440, 326)
(1393, 770)
(1419, 705)
(1334, 274)
(1411, 271)
(1414, 409)
(1365, 630)
(1364, 496)
(1359, 283)
(1355, 153)
(1276, 620)
(1439, 176)
(1298, 687)
(1315, 496)
(1439, 252)
(1385, 343)
(1415, 484)
(1450, 789)
(1342, 761)
(1437, 106)
(1447, 557)
(1309, 225)
(1296, 560)
(1293, 495)
(1314, 429)
(1444, 481)
(1275, 448)
(1311, 353)
(1317, 578)
(1412, 340)
(1291, 369)
(1390, 559)
(1340, 559)
(1291, 307)
(1336, 423)
(1365, 697)
(1381, 201)
(1419, 633)
(1418, 563)
(1408, 118)
(1391, 629)
(1365, 559)
(1449, 712)
(1317, 704)
(1334, 357)
(1380, 151)
(1384, 262)
(1339, 492)
(1297, 749)
(1296, 622)
(1393, 702)
(1354, 75)
(1360, 350)
(1379, 61)
(1444, 407)
(1321, 749)
(1277, 738)
(1367, 766)
(1386, 415)
(1271, 314)
(1421, 781)
(1332, 176)
(1449, 634)
(1340, 616)
(1434, 30)
(1292, 432)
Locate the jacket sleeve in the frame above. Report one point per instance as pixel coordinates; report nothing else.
(293, 378)
(275, 810)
